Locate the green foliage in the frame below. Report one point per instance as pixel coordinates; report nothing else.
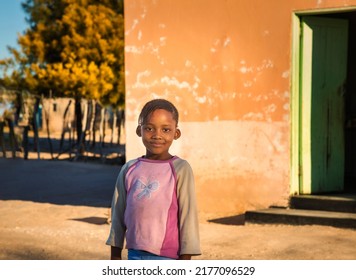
(72, 47)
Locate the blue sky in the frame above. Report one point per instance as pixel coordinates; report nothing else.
(12, 22)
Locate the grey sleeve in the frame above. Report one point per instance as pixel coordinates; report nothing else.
(188, 212)
(118, 206)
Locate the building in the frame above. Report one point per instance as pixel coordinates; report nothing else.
(266, 92)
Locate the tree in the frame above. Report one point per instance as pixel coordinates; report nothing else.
(73, 48)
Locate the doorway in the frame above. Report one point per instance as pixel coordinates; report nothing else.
(324, 104)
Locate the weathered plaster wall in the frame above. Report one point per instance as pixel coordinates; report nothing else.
(226, 65)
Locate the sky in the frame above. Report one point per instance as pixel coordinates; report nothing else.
(12, 22)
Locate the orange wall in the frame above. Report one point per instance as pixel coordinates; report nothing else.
(227, 67)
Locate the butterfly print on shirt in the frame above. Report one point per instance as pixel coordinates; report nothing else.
(145, 188)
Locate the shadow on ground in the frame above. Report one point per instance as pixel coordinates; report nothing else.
(57, 182)
(93, 220)
(238, 220)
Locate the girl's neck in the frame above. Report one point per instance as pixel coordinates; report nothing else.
(154, 157)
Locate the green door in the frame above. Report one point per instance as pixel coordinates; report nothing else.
(323, 75)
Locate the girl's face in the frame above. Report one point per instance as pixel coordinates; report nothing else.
(158, 133)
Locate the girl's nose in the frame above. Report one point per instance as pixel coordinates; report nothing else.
(157, 134)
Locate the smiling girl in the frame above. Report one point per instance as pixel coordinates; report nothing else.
(154, 204)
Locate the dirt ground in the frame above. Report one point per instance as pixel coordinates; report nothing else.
(41, 230)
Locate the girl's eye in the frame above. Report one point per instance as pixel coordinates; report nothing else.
(166, 130)
(148, 128)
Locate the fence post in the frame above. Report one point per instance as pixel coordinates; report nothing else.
(2, 141)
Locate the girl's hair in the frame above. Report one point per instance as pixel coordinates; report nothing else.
(154, 105)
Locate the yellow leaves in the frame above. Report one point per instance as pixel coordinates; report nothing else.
(87, 78)
(110, 58)
(100, 80)
(33, 45)
(41, 27)
(31, 81)
(40, 72)
(74, 46)
(88, 22)
(24, 40)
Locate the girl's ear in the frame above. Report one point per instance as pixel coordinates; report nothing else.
(138, 131)
(177, 134)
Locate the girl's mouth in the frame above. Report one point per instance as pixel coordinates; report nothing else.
(157, 144)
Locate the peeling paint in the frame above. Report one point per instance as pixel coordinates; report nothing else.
(216, 42)
(155, 95)
(260, 97)
(143, 74)
(139, 83)
(227, 42)
(252, 116)
(153, 48)
(265, 32)
(163, 41)
(201, 99)
(266, 63)
(149, 48)
(172, 81)
(270, 109)
(134, 24)
(247, 84)
(245, 69)
(225, 68)
(133, 49)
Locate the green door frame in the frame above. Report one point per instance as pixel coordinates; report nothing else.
(295, 106)
(296, 161)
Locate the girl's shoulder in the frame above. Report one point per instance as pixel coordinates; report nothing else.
(128, 164)
(181, 164)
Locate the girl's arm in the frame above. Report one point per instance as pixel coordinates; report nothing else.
(188, 212)
(118, 229)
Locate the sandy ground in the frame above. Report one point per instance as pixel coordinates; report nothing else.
(40, 230)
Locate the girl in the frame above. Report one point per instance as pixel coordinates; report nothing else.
(154, 205)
